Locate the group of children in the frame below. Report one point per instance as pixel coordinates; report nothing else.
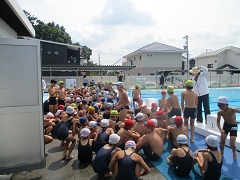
(106, 125)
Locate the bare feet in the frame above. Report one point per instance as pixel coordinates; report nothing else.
(64, 156)
(109, 174)
(69, 157)
(235, 156)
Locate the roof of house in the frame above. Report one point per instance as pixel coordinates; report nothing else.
(69, 46)
(227, 66)
(157, 47)
(219, 51)
(12, 14)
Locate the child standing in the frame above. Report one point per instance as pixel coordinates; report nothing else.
(136, 93)
(229, 126)
(172, 101)
(190, 99)
(52, 97)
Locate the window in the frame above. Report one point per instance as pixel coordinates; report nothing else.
(210, 65)
(134, 58)
(150, 54)
(140, 57)
(152, 74)
(139, 74)
(56, 53)
(147, 55)
(49, 53)
(131, 63)
(215, 61)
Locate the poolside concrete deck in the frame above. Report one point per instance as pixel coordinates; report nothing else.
(57, 169)
(211, 128)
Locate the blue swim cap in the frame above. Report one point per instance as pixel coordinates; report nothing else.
(83, 119)
(96, 107)
(109, 100)
(103, 100)
(84, 101)
(117, 98)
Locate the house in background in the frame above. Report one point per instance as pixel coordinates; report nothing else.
(153, 57)
(227, 57)
(13, 21)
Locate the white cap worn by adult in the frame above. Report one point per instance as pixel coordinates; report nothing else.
(155, 121)
(194, 70)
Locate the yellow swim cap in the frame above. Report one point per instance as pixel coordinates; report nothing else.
(102, 91)
(189, 83)
(74, 105)
(114, 113)
(90, 109)
(60, 82)
(170, 89)
(110, 82)
(137, 85)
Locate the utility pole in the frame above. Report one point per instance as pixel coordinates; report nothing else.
(99, 62)
(186, 48)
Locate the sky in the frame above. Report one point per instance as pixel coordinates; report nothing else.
(114, 28)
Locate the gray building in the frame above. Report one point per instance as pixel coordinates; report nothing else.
(153, 57)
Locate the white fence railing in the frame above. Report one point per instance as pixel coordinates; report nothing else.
(214, 80)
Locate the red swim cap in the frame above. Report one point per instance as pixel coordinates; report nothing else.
(150, 124)
(128, 124)
(159, 113)
(61, 107)
(178, 120)
(154, 105)
(164, 92)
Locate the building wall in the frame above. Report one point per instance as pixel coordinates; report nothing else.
(208, 60)
(61, 58)
(6, 31)
(231, 58)
(152, 61)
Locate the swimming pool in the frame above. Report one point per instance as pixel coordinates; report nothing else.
(233, 95)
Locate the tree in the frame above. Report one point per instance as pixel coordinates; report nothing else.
(54, 32)
(111, 73)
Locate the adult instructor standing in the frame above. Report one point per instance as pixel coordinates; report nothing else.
(201, 88)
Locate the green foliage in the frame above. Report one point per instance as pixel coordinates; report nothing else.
(111, 73)
(54, 32)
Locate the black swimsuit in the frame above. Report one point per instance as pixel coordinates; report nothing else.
(85, 152)
(183, 165)
(126, 168)
(62, 132)
(214, 169)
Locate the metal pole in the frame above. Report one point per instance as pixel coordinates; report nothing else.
(238, 79)
(231, 81)
(210, 78)
(99, 63)
(220, 80)
(186, 37)
(156, 80)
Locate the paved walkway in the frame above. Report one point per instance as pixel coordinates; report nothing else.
(57, 169)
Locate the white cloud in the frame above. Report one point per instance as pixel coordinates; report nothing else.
(123, 12)
(115, 28)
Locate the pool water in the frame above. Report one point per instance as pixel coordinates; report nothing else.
(233, 95)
